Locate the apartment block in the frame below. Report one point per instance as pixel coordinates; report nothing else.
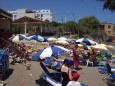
(108, 28)
(38, 14)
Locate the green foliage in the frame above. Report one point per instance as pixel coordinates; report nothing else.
(55, 23)
(71, 26)
(89, 22)
(108, 4)
(47, 20)
(17, 28)
(59, 31)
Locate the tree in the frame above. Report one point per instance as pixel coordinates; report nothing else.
(89, 22)
(59, 31)
(17, 28)
(109, 4)
(55, 23)
(71, 26)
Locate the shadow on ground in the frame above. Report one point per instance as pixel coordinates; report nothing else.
(8, 73)
(42, 82)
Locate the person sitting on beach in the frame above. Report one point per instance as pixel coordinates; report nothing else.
(74, 76)
(99, 57)
(93, 58)
(64, 71)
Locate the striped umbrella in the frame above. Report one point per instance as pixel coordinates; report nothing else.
(86, 41)
(37, 38)
(47, 52)
(17, 38)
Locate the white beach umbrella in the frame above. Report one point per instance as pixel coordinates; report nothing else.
(110, 47)
(51, 39)
(100, 47)
(62, 38)
(62, 42)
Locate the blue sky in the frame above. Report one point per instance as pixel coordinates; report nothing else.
(64, 8)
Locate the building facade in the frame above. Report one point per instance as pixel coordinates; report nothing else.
(5, 27)
(38, 14)
(108, 28)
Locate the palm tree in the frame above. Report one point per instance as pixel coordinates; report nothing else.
(109, 4)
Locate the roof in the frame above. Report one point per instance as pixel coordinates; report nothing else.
(27, 19)
(5, 14)
(103, 23)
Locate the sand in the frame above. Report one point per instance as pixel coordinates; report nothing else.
(19, 76)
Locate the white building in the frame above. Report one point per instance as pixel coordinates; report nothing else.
(40, 14)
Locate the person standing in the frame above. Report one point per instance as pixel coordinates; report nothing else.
(76, 52)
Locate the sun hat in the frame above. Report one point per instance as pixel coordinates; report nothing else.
(76, 76)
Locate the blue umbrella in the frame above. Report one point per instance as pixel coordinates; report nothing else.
(37, 38)
(47, 52)
(86, 41)
(16, 38)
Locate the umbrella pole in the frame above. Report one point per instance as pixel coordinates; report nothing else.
(25, 27)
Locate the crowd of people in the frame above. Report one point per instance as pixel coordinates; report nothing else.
(68, 66)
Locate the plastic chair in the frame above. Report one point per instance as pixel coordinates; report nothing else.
(89, 62)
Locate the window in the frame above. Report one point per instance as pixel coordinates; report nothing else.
(15, 16)
(114, 27)
(109, 26)
(41, 15)
(109, 32)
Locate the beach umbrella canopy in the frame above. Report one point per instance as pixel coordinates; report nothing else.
(51, 39)
(62, 42)
(110, 47)
(71, 40)
(37, 38)
(17, 38)
(62, 38)
(100, 47)
(49, 51)
(86, 41)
